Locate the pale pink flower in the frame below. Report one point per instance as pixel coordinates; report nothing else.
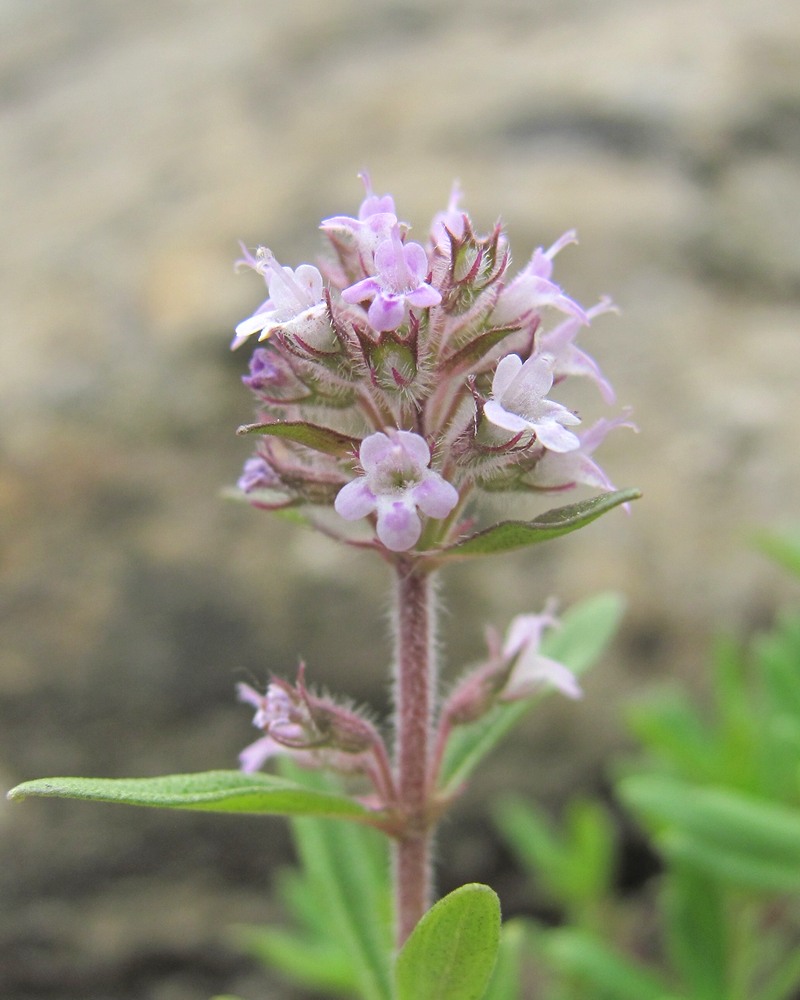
(533, 290)
(531, 670)
(376, 219)
(518, 402)
(401, 270)
(276, 714)
(571, 360)
(561, 471)
(295, 301)
(395, 483)
(449, 222)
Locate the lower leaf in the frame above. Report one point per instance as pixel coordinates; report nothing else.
(209, 791)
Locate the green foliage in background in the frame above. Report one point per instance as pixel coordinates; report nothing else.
(718, 794)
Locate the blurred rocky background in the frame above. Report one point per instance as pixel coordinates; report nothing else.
(139, 143)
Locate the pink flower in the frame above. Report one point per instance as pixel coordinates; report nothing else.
(295, 300)
(376, 220)
(560, 471)
(449, 222)
(395, 483)
(257, 475)
(314, 731)
(531, 670)
(571, 360)
(533, 290)
(399, 282)
(277, 715)
(518, 402)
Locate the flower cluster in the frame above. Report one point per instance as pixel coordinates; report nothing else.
(397, 378)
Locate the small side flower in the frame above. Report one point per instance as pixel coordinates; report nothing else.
(515, 669)
(315, 730)
(529, 669)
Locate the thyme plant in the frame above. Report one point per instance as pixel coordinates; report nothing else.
(397, 381)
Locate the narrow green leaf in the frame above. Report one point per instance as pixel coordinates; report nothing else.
(778, 655)
(510, 535)
(696, 930)
(730, 867)
(583, 956)
(670, 728)
(209, 791)
(346, 867)
(533, 839)
(590, 842)
(452, 951)
(586, 629)
(316, 964)
(323, 439)
(718, 817)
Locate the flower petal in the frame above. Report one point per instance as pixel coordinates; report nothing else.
(399, 526)
(355, 500)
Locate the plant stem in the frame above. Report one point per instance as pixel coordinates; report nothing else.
(414, 693)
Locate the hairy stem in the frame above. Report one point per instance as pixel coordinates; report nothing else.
(415, 691)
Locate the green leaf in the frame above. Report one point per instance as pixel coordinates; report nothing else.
(718, 816)
(778, 655)
(323, 439)
(590, 841)
(537, 845)
(345, 867)
(316, 964)
(730, 867)
(510, 535)
(209, 791)
(452, 951)
(696, 930)
(671, 729)
(586, 629)
(581, 955)
(574, 865)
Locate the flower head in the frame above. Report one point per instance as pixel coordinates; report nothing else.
(295, 300)
(395, 483)
(399, 281)
(390, 336)
(518, 402)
